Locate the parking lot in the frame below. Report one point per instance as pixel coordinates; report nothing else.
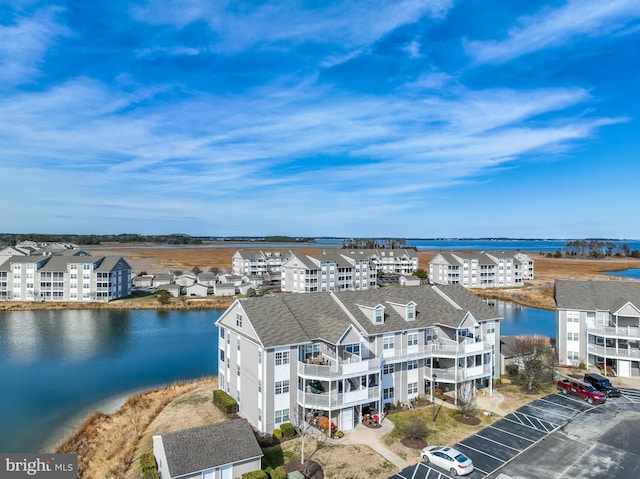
(548, 438)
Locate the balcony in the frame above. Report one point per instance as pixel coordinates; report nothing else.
(453, 375)
(333, 370)
(618, 353)
(628, 332)
(335, 400)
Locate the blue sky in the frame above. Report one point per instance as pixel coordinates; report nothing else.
(401, 118)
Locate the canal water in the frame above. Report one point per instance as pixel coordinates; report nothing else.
(59, 366)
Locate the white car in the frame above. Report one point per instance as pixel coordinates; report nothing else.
(449, 459)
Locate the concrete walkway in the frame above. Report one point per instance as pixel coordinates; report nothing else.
(371, 437)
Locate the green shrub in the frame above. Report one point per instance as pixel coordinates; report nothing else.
(512, 370)
(415, 428)
(255, 475)
(582, 365)
(224, 402)
(151, 474)
(148, 462)
(278, 473)
(339, 434)
(497, 381)
(287, 429)
(277, 433)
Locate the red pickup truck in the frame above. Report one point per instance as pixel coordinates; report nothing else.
(582, 390)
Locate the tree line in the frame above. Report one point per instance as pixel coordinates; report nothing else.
(11, 239)
(595, 249)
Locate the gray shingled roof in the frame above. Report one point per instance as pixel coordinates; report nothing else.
(299, 318)
(604, 295)
(205, 447)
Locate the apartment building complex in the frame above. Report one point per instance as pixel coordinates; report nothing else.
(345, 354)
(330, 271)
(258, 261)
(598, 323)
(481, 270)
(79, 277)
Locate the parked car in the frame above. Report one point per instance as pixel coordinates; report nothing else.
(582, 390)
(602, 384)
(449, 459)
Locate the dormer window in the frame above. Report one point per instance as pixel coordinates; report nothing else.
(411, 312)
(379, 319)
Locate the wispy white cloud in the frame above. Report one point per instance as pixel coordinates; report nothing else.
(550, 28)
(24, 40)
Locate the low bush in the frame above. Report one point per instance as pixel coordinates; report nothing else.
(255, 475)
(277, 433)
(224, 402)
(287, 429)
(512, 370)
(151, 474)
(416, 429)
(148, 462)
(278, 473)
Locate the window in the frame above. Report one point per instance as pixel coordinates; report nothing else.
(86, 267)
(222, 333)
(411, 365)
(353, 348)
(222, 355)
(387, 394)
(388, 342)
(259, 356)
(282, 415)
(259, 385)
(430, 334)
(412, 388)
(238, 320)
(491, 327)
(282, 357)
(379, 315)
(573, 317)
(238, 368)
(412, 339)
(282, 387)
(573, 355)
(388, 369)
(411, 312)
(259, 415)
(238, 347)
(573, 336)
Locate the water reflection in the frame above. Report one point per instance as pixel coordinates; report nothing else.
(29, 336)
(522, 320)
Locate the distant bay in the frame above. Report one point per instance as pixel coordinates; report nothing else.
(541, 245)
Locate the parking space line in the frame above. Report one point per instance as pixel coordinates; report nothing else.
(569, 416)
(481, 452)
(521, 423)
(493, 440)
(512, 433)
(559, 404)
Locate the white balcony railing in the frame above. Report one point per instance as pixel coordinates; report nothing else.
(335, 371)
(618, 353)
(617, 332)
(452, 375)
(332, 400)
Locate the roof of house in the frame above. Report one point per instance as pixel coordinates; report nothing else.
(206, 447)
(590, 295)
(303, 318)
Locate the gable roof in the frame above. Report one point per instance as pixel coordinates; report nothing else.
(206, 447)
(302, 318)
(590, 295)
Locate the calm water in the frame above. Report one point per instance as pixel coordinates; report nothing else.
(633, 273)
(521, 320)
(57, 365)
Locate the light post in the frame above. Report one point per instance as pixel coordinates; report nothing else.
(433, 401)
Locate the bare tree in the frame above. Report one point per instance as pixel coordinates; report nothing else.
(305, 429)
(535, 360)
(467, 398)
